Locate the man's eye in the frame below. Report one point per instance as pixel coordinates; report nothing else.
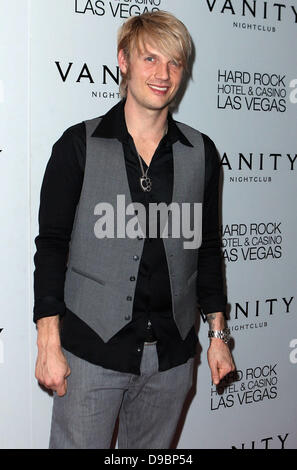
(175, 63)
(150, 59)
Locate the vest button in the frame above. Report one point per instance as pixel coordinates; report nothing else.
(129, 297)
(136, 257)
(132, 278)
(127, 317)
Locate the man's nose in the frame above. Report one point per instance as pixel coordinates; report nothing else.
(162, 71)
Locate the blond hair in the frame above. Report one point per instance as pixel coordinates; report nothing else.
(160, 28)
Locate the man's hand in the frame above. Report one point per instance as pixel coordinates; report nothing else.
(52, 368)
(219, 356)
(220, 360)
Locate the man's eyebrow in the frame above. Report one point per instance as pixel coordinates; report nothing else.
(147, 52)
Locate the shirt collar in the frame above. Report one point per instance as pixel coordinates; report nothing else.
(113, 125)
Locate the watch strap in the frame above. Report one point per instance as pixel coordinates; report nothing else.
(221, 334)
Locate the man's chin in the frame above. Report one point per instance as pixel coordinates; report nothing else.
(155, 106)
(155, 103)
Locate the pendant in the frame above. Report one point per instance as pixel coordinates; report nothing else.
(145, 183)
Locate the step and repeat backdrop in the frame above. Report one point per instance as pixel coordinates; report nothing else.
(58, 67)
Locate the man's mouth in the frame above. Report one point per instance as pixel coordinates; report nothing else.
(159, 89)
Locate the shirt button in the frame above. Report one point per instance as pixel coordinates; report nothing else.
(136, 258)
(138, 349)
(132, 278)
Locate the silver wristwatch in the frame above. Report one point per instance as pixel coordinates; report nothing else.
(222, 334)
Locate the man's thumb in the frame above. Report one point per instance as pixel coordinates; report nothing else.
(215, 377)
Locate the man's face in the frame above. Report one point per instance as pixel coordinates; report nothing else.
(154, 78)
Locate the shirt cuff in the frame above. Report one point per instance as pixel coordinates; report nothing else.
(48, 307)
(213, 304)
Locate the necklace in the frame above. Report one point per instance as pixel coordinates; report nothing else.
(145, 181)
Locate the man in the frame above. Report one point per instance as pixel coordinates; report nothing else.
(115, 313)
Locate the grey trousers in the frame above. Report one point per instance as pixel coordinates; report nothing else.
(148, 405)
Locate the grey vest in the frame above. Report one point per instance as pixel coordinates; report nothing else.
(99, 286)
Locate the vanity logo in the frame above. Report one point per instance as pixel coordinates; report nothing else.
(263, 10)
(250, 315)
(267, 14)
(253, 8)
(83, 72)
(276, 442)
(254, 314)
(104, 76)
(257, 167)
(259, 161)
(260, 308)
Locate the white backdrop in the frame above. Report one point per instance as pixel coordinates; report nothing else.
(58, 67)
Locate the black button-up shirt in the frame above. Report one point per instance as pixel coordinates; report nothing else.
(152, 308)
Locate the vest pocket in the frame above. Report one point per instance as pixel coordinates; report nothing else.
(192, 277)
(89, 276)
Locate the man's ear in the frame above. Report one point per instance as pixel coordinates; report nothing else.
(123, 63)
